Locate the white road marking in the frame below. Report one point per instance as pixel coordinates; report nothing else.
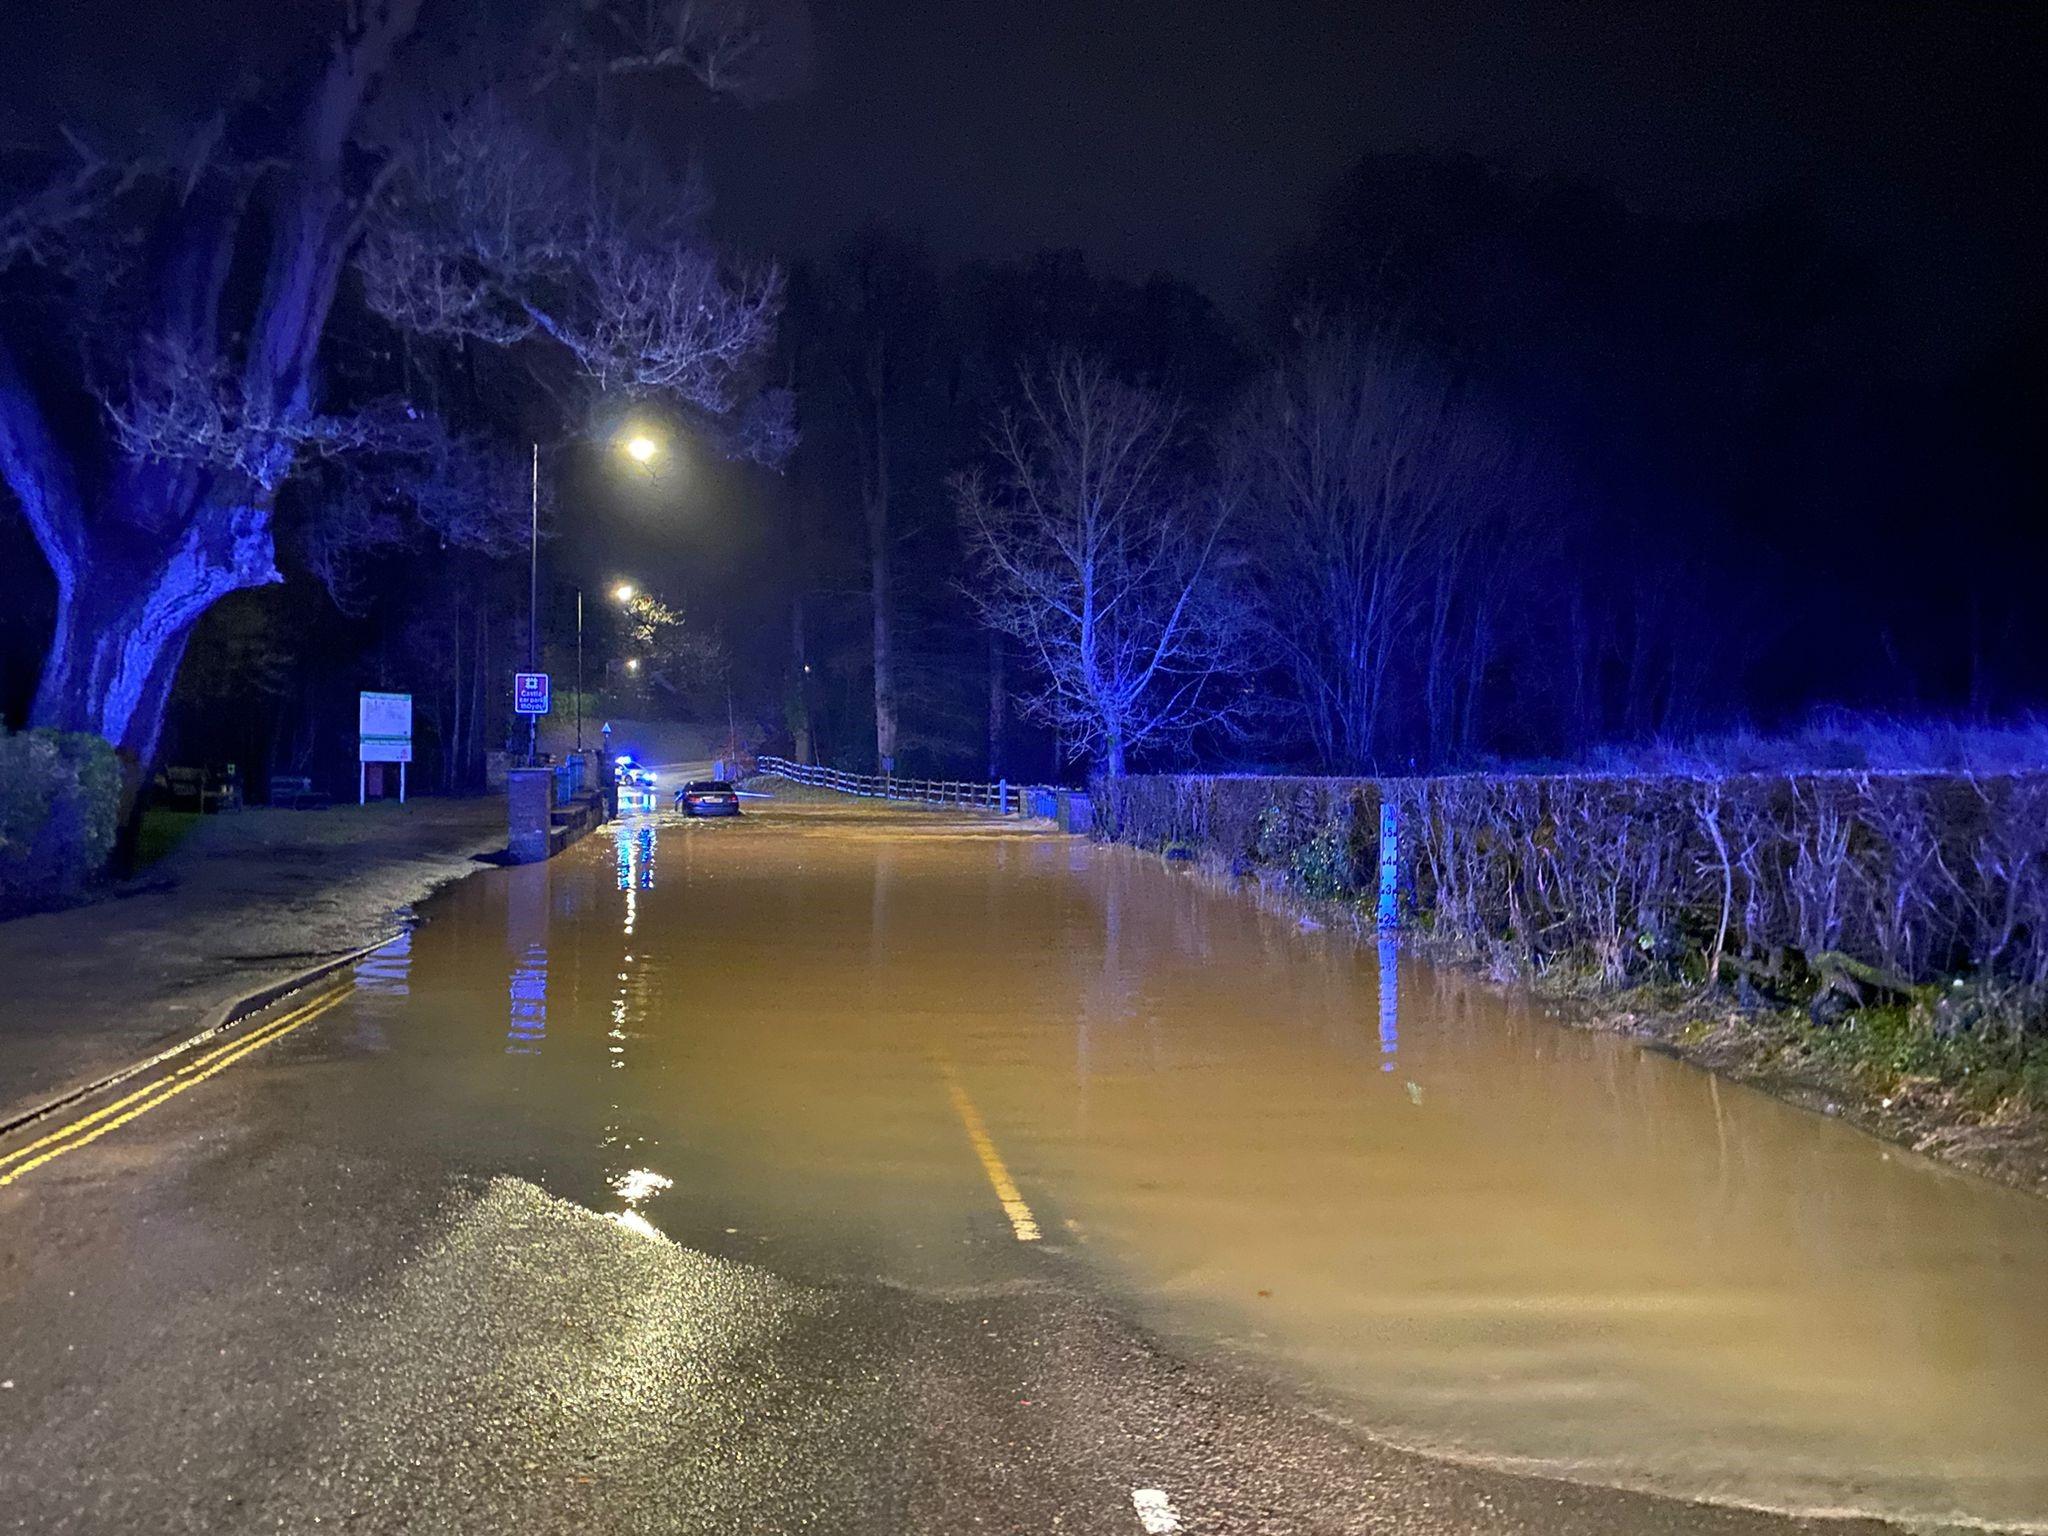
(1155, 1511)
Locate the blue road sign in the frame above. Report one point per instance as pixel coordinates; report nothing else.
(530, 693)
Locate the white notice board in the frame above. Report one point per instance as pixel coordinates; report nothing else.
(384, 728)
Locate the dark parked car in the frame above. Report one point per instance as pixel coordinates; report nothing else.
(708, 797)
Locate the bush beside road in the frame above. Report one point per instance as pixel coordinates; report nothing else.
(60, 795)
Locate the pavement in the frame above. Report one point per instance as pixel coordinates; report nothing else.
(249, 898)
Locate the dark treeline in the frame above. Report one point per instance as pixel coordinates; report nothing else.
(1500, 469)
(1503, 470)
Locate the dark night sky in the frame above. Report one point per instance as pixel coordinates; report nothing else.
(1194, 135)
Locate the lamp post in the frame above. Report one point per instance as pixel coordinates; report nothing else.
(533, 606)
(643, 447)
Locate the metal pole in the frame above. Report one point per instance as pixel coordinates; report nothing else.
(533, 608)
(579, 669)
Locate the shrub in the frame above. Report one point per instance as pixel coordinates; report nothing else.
(1862, 887)
(60, 795)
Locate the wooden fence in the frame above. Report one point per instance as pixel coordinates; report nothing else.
(1001, 797)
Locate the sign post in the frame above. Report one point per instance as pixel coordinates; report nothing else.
(383, 735)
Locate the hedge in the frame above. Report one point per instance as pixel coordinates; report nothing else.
(60, 796)
(1864, 883)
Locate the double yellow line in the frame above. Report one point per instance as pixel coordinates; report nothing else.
(90, 1128)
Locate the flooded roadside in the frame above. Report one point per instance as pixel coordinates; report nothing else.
(1467, 1228)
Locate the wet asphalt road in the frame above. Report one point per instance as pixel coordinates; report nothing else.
(352, 1281)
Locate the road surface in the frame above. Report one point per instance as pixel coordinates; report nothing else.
(858, 1169)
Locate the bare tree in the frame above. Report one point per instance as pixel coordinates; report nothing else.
(163, 380)
(1101, 560)
(1372, 482)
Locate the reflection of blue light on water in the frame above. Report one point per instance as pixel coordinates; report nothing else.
(1390, 1006)
(529, 994)
(636, 858)
(388, 971)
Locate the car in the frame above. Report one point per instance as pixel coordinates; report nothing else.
(708, 797)
(628, 773)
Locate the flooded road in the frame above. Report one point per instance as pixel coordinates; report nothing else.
(953, 1058)
(1466, 1228)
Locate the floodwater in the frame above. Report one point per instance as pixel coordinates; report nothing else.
(1454, 1223)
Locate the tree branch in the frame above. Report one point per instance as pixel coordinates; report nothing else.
(39, 475)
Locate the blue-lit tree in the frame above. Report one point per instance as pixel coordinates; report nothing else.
(161, 350)
(1100, 556)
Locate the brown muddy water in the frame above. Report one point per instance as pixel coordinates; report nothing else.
(1461, 1227)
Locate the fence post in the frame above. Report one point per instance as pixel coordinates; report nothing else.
(1390, 866)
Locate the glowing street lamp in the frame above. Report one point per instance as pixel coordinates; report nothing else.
(632, 663)
(640, 445)
(625, 592)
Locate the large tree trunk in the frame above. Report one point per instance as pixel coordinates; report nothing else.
(800, 672)
(885, 650)
(877, 508)
(124, 617)
(480, 672)
(142, 544)
(998, 705)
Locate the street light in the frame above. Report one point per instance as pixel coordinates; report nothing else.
(641, 443)
(624, 592)
(643, 447)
